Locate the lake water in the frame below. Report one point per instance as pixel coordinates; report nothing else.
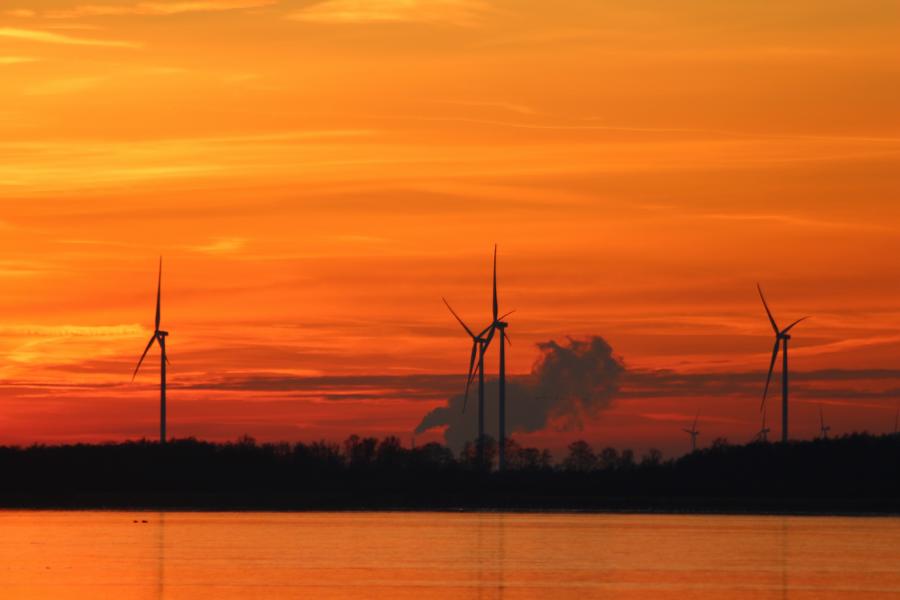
(438, 555)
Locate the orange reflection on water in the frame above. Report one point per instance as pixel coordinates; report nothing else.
(439, 555)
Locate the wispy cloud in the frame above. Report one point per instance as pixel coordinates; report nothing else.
(16, 60)
(63, 86)
(59, 331)
(20, 12)
(156, 8)
(520, 109)
(788, 219)
(226, 245)
(48, 37)
(451, 12)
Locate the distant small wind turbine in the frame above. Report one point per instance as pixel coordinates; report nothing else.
(782, 337)
(159, 336)
(823, 428)
(693, 433)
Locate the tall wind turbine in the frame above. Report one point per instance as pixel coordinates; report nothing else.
(479, 345)
(693, 433)
(782, 337)
(159, 336)
(499, 323)
(823, 428)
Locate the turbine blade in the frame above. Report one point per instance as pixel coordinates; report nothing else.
(496, 307)
(466, 327)
(158, 293)
(771, 368)
(768, 312)
(694, 426)
(146, 350)
(791, 326)
(473, 369)
(506, 337)
(506, 315)
(487, 340)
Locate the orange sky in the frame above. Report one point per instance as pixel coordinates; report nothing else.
(318, 174)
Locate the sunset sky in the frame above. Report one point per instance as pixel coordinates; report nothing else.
(317, 174)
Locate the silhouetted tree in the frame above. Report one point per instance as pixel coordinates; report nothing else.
(246, 441)
(390, 452)
(581, 457)
(469, 454)
(609, 458)
(433, 455)
(360, 452)
(626, 459)
(653, 458)
(321, 454)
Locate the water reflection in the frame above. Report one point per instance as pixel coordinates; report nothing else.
(406, 556)
(501, 554)
(161, 555)
(783, 545)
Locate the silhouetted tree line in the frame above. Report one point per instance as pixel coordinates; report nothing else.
(853, 473)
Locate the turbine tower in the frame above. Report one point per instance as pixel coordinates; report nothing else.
(823, 428)
(693, 433)
(499, 323)
(479, 345)
(782, 337)
(159, 336)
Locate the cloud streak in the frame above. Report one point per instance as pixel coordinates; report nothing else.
(17, 60)
(156, 8)
(463, 13)
(49, 37)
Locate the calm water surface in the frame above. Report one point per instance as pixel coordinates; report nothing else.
(436, 555)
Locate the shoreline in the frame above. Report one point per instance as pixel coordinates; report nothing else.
(798, 507)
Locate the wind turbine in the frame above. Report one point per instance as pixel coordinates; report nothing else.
(897, 422)
(823, 428)
(479, 345)
(782, 337)
(159, 336)
(499, 323)
(693, 433)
